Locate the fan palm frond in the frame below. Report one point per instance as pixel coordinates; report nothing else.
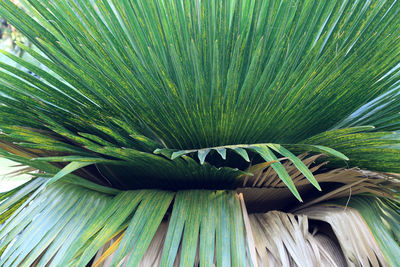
(170, 131)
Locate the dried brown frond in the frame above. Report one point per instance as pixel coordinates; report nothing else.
(353, 234)
(265, 190)
(284, 239)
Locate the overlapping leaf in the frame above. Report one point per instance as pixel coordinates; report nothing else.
(372, 150)
(382, 112)
(123, 78)
(127, 78)
(382, 217)
(64, 223)
(204, 228)
(356, 241)
(213, 83)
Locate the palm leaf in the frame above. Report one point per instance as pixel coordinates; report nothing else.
(359, 247)
(381, 216)
(117, 124)
(43, 221)
(82, 48)
(264, 151)
(136, 103)
(373, 150)
(293, 245)
(197, 230)
(381, 112)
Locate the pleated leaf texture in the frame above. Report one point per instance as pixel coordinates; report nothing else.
(193, 133)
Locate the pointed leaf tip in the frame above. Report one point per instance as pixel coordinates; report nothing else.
(71, 167)
(222, 152)
(202, 154)
(297, 162)
(242, 152)
(332, 152)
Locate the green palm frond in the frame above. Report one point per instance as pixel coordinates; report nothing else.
(382, 112)
(151, 127)
(197, 216)
(159, 90)
(373, 150)
(111, 88)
